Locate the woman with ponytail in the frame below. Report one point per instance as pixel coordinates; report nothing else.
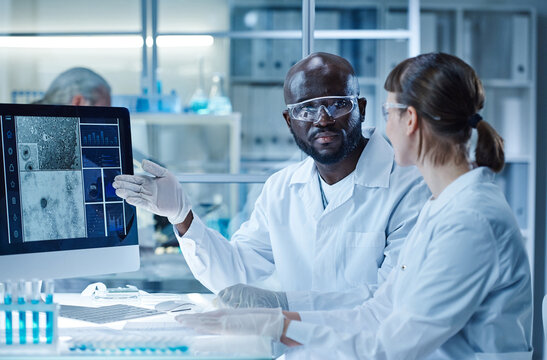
(461, 288)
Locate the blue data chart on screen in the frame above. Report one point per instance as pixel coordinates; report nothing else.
(101, 160)
(98, 135)
(58, 174)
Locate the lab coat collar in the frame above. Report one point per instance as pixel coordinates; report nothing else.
(305, 172)
(373, 168)
(476, 176)
(376, 161)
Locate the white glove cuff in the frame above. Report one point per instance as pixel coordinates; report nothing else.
(278, 326)
(183, 212)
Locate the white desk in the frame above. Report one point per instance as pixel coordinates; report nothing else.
(162, 326)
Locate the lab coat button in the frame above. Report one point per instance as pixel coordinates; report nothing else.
(403, 267)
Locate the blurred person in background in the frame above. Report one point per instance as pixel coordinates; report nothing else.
(77, 86)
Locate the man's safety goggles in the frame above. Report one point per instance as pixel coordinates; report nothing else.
(334, 106)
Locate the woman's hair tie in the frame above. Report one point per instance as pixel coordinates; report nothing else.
(474, 120)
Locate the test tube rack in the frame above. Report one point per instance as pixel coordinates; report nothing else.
(38, 337)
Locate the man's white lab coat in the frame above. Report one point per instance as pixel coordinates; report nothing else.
(324, 258)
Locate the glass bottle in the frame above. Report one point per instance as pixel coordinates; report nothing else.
(219, 102)
(199, 101)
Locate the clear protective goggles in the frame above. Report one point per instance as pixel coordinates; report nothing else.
(387, 106)
(334, 106)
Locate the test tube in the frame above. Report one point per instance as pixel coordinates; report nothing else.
(35, 299)
(49, 288)
(9, 319)
(22, 313)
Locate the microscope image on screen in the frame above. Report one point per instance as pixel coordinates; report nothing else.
(50, 178)
(60, 178)
(48, 143)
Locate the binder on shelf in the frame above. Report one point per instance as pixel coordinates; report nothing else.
(520, 69)
(428, 33)
(395, 50)
(242, 104)
(467, 40)
(512, 127)
(368, 56)
(285, 52)
(516, 175)
(329, 20)
(260, 49)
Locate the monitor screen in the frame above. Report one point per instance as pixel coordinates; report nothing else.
(57, 201)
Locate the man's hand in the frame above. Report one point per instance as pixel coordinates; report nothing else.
(263, 322)
(245, 296)
(161, 193)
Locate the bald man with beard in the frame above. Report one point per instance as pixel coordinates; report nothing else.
(330, 227)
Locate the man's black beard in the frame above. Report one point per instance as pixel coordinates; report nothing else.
(350, 141)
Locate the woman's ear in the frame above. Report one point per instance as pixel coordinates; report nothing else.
(411, 122)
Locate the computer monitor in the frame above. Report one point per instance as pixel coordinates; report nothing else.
(59, 214)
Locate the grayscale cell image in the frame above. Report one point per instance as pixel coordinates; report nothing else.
(57, 142)
(28, 157)
(52, 205)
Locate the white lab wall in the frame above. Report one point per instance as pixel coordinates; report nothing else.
(193, 16)
(178, 67)
(34, 69)
(62, 15)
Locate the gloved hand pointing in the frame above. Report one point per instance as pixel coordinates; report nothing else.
(161, 194)
(246, 296)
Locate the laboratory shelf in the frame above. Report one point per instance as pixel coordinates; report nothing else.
(506, 83)
(509, 158)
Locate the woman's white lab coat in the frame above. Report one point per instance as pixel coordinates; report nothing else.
(461, 289)
(324, 258)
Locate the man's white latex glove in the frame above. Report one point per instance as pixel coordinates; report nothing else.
(245, 296)
(160, 194)
(263, 322)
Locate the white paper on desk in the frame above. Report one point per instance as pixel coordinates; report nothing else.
(202, 302)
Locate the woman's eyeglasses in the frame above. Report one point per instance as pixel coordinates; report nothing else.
(387, 106)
